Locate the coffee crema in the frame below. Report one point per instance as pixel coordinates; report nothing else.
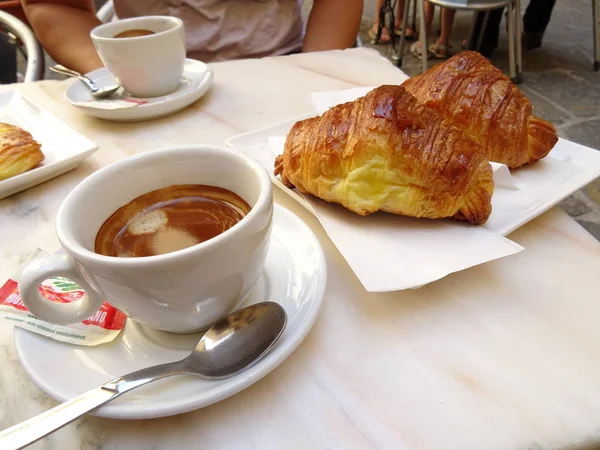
(133, 33)
(169, 219)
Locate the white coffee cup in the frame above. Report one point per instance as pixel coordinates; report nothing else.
(180, 292)
(146, 66)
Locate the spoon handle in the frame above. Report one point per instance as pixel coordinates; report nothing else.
(37, 427)
(72, 73)
(31, 430)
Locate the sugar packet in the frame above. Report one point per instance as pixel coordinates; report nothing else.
(100, 328)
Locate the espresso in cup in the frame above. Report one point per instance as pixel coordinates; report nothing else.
(169, 219)
(133, 33)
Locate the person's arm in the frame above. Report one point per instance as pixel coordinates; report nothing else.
(63, 28)
(332, 25)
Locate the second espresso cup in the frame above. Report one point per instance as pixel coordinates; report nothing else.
(149, 65)
(182, 291)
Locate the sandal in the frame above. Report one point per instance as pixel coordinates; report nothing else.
(410, 33)
(440, 51)
(416, 50)
(383, 39)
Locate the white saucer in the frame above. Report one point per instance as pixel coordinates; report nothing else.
(295, 276)
(197, 79)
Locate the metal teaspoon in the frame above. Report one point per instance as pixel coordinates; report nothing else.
(231, 345)
(96, 91)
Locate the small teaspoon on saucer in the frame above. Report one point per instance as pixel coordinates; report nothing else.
(96, 91)
(230, 346)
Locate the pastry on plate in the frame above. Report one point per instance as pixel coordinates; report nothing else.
(19, 152)
(469, 90)
(388, 152)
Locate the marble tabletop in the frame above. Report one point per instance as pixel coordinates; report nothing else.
(500, 356)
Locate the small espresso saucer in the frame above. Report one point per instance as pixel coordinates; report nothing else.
(295, 276)
(195, 82)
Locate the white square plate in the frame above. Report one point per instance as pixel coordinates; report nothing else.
(62, 146)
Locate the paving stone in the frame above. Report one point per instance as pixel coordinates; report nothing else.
(568, 90)
(592, 227)
(544, 108)
(574, 206)
(585, 133)
(592, 190)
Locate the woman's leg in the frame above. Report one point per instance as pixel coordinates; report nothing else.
(416, 49)
(439, 49)
(447, 22)
(385, 37)
(398, 19)
(399, 13)
(429, 11)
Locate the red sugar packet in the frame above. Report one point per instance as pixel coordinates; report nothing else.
(102, 327)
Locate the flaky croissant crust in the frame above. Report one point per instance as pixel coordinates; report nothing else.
(19, 152)
(469, 90)
(386, 151)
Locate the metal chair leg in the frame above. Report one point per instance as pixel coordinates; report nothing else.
(518, 47)
(423, 34)
(596, 17)
(407, 4)
(392, 29)
(511, 40)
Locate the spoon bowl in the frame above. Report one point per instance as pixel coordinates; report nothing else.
(237, 341)
(232, 345)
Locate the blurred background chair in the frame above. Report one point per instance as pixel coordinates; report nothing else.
(106, 12)
(16, 37)
(476, 6)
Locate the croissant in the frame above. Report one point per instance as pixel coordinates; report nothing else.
(479, 99)
(19, 152)
(386, 151)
